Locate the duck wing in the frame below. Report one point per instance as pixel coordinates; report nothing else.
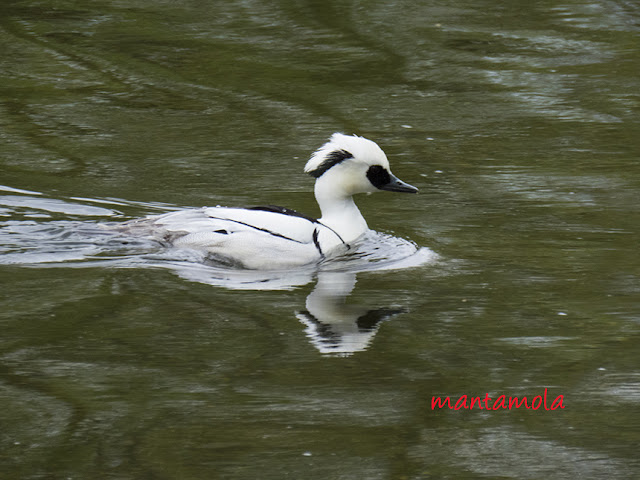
(257, 238)
(276, 221)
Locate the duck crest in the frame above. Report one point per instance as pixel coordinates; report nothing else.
(331, 159)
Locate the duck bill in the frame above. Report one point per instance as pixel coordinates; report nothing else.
(397, 185)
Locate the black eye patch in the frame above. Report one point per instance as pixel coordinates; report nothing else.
(378, 176)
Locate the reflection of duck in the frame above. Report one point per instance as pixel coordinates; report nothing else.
(332, 325)
(276, 237)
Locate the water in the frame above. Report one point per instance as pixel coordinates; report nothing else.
(519, 124)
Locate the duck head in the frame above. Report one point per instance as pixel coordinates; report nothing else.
(348, 164)
(342, 167)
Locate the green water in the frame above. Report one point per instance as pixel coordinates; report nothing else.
(519, 122)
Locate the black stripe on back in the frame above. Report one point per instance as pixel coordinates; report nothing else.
(292, 213)
(257, 228)
(283, 211)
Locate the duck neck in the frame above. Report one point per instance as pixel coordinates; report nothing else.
(340, 213)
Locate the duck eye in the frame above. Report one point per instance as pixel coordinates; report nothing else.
(378, 176)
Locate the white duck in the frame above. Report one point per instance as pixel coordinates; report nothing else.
(275, 237)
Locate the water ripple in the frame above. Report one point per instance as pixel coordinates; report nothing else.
(34, 236)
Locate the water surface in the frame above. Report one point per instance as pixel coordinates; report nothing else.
(517, 121)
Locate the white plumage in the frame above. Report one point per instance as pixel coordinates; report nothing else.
(275, 237)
